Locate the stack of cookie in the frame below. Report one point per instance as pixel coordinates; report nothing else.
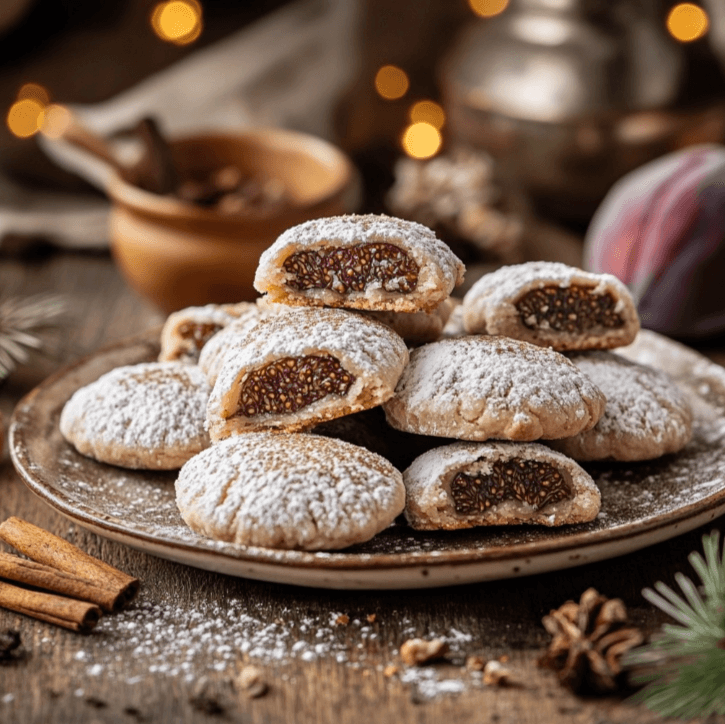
(238, 389)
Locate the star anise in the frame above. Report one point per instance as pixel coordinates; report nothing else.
(589, 639)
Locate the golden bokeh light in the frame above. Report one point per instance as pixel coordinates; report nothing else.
(391, 82)
(427, 112)
(177, 21)
(25, 117)
(687, 22)
(488, 8)
(34, 92)
(421, 140)
(56, 120)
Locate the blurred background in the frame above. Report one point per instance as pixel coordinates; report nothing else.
(501, 123)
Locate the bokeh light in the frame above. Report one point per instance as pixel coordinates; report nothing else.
(421, 140)
(56, 120)
(391, 82)
(687, 22)
(488, 8)
(427, 112)
(25, 117)
(177, 21)
(34, 92)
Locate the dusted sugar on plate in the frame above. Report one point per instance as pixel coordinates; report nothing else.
(552, 305)
(497, 483)
(647, 415)
(187, 331)
(295, 491)
(301, 368)
(148, 416)
(359, 262)
(476, 388)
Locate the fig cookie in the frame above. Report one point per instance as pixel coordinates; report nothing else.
(497, 483)
(552, 305)
(301, 368)
(185, 332)
(289, 491)
(359, 262)
(147, 416)
(476, 388)
(646, 415)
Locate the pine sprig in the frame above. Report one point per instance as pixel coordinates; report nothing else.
(684, 666)
(21, 319)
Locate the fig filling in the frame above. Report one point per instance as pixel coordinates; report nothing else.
(353, 269)
(528, 481)
(572, 309)
(198, 334)
(290, 383)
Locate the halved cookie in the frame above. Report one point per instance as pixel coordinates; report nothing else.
(470, 484)
(289, 491)
(554, 305)
(476, 388)
(298, 369)
(359, 262)
(148, 416)
(187, 331)
(646, 415)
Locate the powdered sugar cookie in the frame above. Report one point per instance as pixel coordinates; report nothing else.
(359, 262)
(298, 369)
(646, 415)
(417, 328)
(497, 483)
(187, 331)
(148, 416)
(476, 388)
(289, 491)
(552, 304)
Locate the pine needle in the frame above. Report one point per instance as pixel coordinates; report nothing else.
(685, 664)
(21, 321)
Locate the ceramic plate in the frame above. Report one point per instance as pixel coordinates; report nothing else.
(642, 503)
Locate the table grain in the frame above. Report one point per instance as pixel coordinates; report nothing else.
(116, 674)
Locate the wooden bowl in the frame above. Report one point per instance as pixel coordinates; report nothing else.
(178, 254)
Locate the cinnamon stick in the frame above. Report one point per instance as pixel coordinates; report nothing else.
(50, 550)
(35, 574)
(66, 612)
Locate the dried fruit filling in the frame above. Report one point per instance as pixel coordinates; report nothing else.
(353, 269)
(528, 481)
(568, 309)
(199, 334)
(290, 383)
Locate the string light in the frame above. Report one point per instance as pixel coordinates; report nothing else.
(687, 22)
(488, 8)
(56, 120)
(391, 82)
(177, 21)
(421, 140)
(34, 92)
(427, 112)
(25, 116)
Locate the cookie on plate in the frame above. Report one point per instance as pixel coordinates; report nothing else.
(476, 388)
(185, 332)
(647, 415)
(289, 491)
(359, 262)
(301, 368)
(147, 416)
(497, 483)
(552, 305)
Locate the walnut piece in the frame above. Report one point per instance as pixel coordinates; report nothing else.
(418, 651)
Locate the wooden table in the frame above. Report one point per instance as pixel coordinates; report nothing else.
(172, 656)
